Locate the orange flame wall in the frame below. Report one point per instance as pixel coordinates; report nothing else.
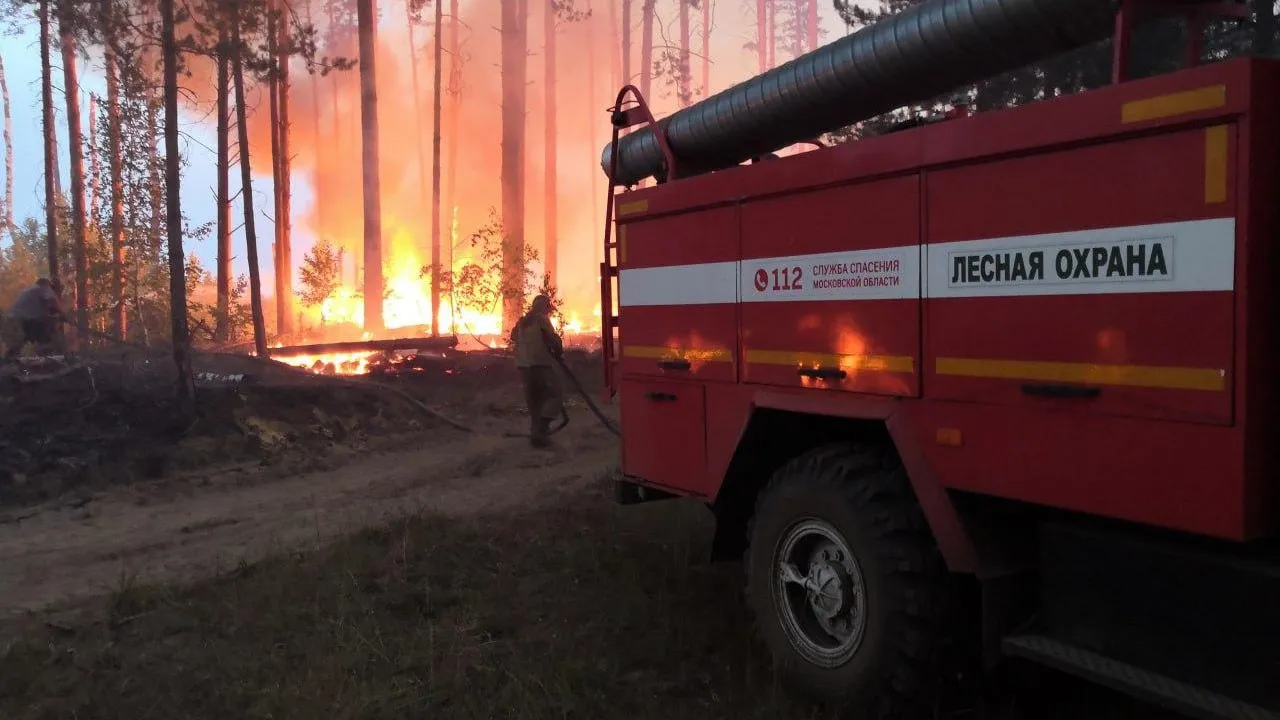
(326, 142)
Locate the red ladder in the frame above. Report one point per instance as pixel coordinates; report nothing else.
(629, 110)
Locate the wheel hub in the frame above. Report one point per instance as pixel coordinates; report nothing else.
(822, 607)
(828, 588)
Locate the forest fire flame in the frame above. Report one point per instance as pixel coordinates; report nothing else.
(561, 186)
(326, 156)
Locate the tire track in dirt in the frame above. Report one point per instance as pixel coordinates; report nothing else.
(61, 558)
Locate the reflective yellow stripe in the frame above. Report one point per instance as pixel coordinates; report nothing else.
(1174, 378)
(876, 363)
(634, 207)
(1182, 103)
(1215, 164)
(656, 352)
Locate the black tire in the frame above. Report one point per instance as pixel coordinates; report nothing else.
(892, 670)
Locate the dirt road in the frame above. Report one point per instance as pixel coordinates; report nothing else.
(196, 526)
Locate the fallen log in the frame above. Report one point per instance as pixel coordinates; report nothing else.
(444, 342)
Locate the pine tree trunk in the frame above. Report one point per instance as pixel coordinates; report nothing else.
(284, 290)
(75, 143)
(627, 77)
(646, 48)
(277, 183)
(94, 166)
(682, 86)
(595, 119)
(514, 70)
(173, 175)
(762, 38)
(246, 185)
(335, 127)
(813, 25)
(798, 33)
(420, 145)
(455, 106)
(7, 215)
(50, 137)
(615, 45)
(367, 19)
(116, 161)
(222, 327)
(551, 231)
(155, 182)
(436, 112)
(706, 47)
(321, 148)
(771, 28)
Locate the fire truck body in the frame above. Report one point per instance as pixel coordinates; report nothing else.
(1057, 319)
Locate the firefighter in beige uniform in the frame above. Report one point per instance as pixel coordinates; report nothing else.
(537, 347)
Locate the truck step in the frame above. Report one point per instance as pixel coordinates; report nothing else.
(1144, 685)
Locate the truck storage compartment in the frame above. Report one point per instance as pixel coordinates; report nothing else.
(1095, 279)
(665, 442)
(678, 292)
(831, 288)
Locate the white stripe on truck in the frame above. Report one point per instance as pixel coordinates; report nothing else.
(1193, 256)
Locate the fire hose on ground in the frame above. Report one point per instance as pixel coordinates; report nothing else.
(352, 382)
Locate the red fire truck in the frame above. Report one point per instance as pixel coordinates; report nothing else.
(1004, 376)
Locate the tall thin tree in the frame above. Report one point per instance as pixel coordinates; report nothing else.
(50, 137)
(246, 184)
(595, 118)
(366, 19)
(94, 169)
(455, 105)
(75, 147)
(551, 231)
(173, 212)
(514, 69)
(284, 288)
(684, 80)
(706, 46)
(115, 162)
(762, 38)
(627, 75)
(812, 29)
(7, 216)
(277, 169)
(435, 170)
(321, 148)
(649, 10)
(413, 15)
(615, 42)
(222, 325)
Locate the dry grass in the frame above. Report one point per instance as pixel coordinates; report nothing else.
(583, 610)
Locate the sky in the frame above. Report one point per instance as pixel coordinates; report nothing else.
(20, 51)
(22, 69)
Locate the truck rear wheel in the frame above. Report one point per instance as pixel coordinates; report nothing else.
(846, 583)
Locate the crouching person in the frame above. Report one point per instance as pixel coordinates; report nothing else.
(38, 310)
(537, 346)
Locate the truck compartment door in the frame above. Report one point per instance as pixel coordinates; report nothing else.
(1096, 279)
(831, 288)
(665, 438)
(678, 292)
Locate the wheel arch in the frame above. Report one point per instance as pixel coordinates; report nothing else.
(781, 426)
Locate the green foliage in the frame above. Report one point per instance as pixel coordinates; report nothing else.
(321, 272)
(485, 280)
(22, 261)
(203, 317)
